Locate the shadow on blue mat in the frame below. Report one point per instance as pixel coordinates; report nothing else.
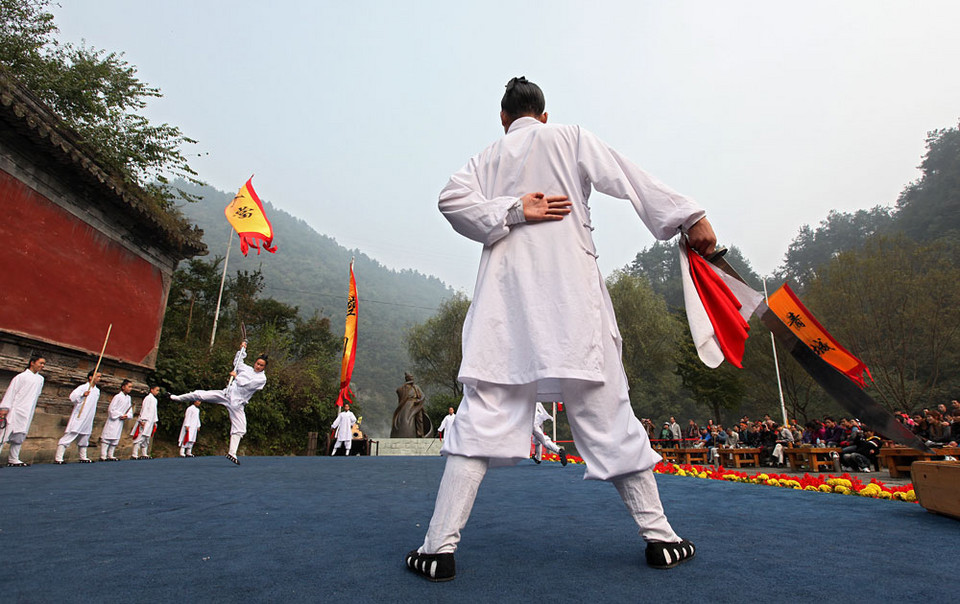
(298, 529)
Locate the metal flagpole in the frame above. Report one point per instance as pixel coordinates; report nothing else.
(776, 363)
(216, 315)
(554, 421)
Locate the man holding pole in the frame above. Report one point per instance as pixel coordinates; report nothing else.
(244, 382)
(84, 398)
(16, 409)
(541, 325)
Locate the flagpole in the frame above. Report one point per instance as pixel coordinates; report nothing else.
(223, 278)
(776, 363)
(554, 422)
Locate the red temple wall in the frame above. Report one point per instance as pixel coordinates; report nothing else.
(63, 281)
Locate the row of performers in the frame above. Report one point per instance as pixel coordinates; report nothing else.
(20, 400)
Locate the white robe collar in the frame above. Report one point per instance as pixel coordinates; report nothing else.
(523, 122)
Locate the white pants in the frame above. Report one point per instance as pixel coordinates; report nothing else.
(778, 452)
(461, 480)
(346, 443)
(238, 417)
(16, 441)
(83, 440)
(493, 427)
(543, 441)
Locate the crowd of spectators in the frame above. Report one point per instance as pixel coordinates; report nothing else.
(858, 444)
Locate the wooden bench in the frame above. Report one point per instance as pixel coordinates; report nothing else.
(815, 459)
(739, 458)
(694, 455)
(898, 459)
(669, 454)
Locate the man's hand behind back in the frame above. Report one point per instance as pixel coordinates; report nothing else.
(537, 207)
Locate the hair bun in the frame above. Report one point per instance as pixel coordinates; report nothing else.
(514, 81)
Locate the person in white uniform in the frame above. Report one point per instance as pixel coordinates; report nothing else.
(146, 425)
(541, 440)
(80, 425)
(189, 429)
(17, 408)
(447, 422)
(244, 383)
(541, 321)
(120, 409)
(344, 429)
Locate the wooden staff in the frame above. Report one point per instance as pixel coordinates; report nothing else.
(94, 376)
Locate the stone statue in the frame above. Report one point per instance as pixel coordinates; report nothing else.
(410, 420)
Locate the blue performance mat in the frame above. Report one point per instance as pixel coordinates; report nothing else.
(319, 529)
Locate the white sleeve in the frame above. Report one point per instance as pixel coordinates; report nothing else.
(471, 213)
(663, 210)
(10, 395)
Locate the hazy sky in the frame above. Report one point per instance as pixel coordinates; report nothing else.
(354, 114)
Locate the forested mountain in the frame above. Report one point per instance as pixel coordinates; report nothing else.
(311, 271)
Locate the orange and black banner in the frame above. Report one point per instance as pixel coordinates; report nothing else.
(787, 307)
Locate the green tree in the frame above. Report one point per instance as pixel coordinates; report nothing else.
(650, 339)
(98, 95)
(716, 389)
(813, 248)
(930, 208)
(435, 346)
(896, 305)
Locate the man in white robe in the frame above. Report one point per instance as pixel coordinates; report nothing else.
(447, 422)
(541, 440)
(80, 425)
(244, 383)
(17, 408)
(120, 409)
(344, 429)
(146, 425)
(541, 321)
(189, 429)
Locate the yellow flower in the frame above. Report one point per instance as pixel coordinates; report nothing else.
(810, 487)
(826, 488)
(910, 496)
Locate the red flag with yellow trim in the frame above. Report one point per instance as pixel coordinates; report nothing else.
(349, 342)
(788, 308)
(245, 214)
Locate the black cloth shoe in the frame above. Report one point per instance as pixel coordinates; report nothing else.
(563, 457)
(668, 555)
(86, 461)
(535, 458)
(233, 459)
(17, 464)
(432, 567)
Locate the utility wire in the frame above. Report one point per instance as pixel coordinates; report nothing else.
(365, 300)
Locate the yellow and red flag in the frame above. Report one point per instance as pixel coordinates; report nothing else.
(787, 307)
(245, 214)
(349, 342)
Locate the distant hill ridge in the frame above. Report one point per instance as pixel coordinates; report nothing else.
(311, 270)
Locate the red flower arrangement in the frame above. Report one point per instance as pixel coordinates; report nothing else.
(843, 484)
